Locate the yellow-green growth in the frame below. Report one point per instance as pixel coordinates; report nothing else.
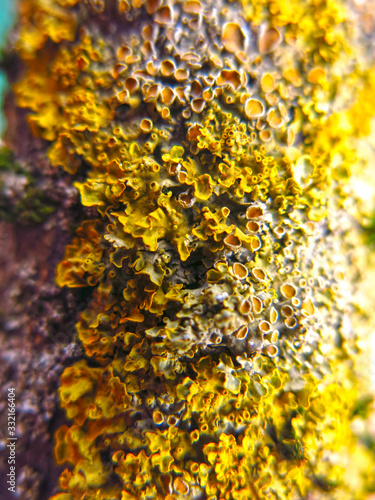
(225, 146)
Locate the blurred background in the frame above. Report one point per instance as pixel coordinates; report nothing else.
(7, 18)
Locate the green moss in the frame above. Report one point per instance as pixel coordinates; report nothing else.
(20, 198)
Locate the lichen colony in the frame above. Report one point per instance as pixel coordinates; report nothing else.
(224, 149)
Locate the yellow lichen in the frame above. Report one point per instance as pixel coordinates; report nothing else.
(219, 176)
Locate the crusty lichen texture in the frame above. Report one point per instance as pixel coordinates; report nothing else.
(221, 146)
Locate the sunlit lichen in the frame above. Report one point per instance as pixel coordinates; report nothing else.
(217, 143)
